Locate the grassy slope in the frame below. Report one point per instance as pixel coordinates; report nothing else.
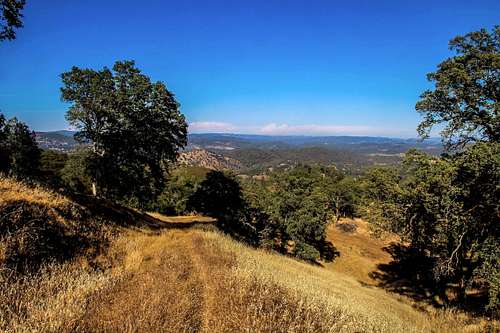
(360, 253)
(191, 278)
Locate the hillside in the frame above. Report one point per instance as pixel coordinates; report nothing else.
(155, 273)
(209, 160)
(62, 141)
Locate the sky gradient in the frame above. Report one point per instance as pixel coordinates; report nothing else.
(317, 67)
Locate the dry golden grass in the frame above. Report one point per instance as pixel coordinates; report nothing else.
(201, 281)
(188, 279)
(13, 191)
(53, 300)
(360, 253)
(38, 226)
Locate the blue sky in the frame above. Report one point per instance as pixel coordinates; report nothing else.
(317, 67)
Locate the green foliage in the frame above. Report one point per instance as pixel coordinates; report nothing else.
(51, 166)
(345, 195)
(181, 184)
(134, 127)
(466, 95)
(218, 195)
(380, 188)
(446, 210)
(75, 173)
(19, 153)
(10, 18)
(291, 211)
(305, 252)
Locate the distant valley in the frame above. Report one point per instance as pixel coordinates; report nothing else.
(257, 153)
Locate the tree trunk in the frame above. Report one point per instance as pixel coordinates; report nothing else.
(94, 189)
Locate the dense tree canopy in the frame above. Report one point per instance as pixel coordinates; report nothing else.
(51, 166)
(467, 91)
(134, 127)
(10, 18)
(292, 210)
(446, 209)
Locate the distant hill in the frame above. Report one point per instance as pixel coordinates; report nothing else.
(359, 144)
(209, 160)
(349, 153)
(258, 152)
(59, 140)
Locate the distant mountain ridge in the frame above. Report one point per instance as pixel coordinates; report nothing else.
(360, 144)
(258, 152)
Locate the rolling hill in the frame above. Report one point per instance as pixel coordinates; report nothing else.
(148, 273)
(207, 159)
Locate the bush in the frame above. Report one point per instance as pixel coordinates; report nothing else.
(306, 252)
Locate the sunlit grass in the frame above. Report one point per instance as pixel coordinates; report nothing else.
(194, 280)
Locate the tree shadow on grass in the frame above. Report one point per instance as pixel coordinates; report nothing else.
(410, 274)
(407, 274)
(328, 251)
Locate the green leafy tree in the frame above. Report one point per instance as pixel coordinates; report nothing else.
(51, 166)
(134, 128)
(181, 184)
(219, 195)
(10, 18)
(18, 149)
(467, 91)
(380, 189)
(4, 152)
(345, 194)
(451, 203)
(75, 174)
(300, 209)
(446, 210)
(450, 212)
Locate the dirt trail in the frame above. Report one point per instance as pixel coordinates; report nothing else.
(162, 289)
(171, 280)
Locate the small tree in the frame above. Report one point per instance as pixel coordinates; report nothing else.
(380, 188)
(10, 18)
(300, 209)
(19, 151)
(133, 125)
(4, 152)
(51, 165)
(219, 196)
(467, 91)
(75, 173)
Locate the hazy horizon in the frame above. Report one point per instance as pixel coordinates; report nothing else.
(431, 138)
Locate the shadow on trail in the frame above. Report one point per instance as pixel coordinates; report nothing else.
(112, 213)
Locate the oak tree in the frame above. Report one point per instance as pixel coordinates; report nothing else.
(133, 125)
(466, 97)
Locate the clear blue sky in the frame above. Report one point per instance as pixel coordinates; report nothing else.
(274, 66)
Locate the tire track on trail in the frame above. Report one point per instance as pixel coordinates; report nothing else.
(213, 265)
(163, 289)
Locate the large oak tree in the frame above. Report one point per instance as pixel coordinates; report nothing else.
(134, 128)
(466, 96)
